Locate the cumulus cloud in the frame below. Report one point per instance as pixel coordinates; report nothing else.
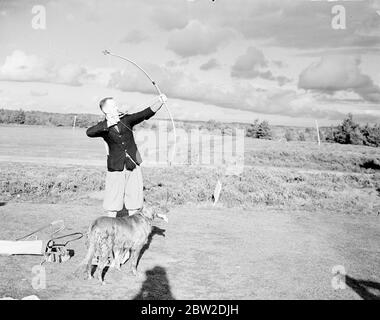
(177, 84)
(170, 16)
(210, 64)
(22, 67)
(336, 73)
(253, 64)
(243, 95)
(198, 39)
(177, 63)
(285, 23)
(135, 37)
(292, 24)
(248, 65)
(279, 64)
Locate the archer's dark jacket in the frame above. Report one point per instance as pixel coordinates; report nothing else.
(121, 142)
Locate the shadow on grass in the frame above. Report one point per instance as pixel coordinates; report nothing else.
(2, 204)
(370, 164)
(155, 231)
(156, 286)
(368, 290)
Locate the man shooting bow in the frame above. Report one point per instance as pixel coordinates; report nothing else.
(124, 183)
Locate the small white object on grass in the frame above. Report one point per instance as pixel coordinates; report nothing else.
(34, 247)
(218, 189)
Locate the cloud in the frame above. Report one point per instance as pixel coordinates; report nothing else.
(210, 64)
(236, 95)
(178, 84)
(283, 23)
(135, 37)
(294, 24)
(279, 64)
(177, 63)
(253, 64)
(248, 65)
(336, 73)
(198, 39)
(22, 67)
(170, 17)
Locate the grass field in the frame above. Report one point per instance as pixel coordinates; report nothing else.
(53, 164)
(296, 211)
(210, 253)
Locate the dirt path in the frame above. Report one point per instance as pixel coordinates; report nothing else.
(210, 254)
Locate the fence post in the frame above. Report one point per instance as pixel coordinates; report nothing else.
(319, 138)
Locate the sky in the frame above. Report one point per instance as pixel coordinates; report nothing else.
(276, 60)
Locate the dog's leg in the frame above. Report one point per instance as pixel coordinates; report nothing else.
(134, 256)
(133, 261)
(126, 256)
(116, 255)
(119, 253)
(119, 262)
(103, 260)
(104, 254)
(87, 261)
(101, 267)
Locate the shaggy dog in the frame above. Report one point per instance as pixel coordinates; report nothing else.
(117, 239)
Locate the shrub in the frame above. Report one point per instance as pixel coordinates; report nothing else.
(19, 117)
(301, 136)
(350, 132)
(252, 129)
(264, 131)
(211, 125)
(289, 135)
(259, 130)
(371, 135)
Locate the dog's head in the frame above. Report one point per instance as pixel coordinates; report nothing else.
(151, 214)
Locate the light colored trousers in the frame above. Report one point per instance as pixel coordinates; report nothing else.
(123, 187)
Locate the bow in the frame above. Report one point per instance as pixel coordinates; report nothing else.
(107, 52)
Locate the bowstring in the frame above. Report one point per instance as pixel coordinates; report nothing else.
(107, 52)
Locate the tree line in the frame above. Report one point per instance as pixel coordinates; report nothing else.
(47, 118)
(348, 132)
